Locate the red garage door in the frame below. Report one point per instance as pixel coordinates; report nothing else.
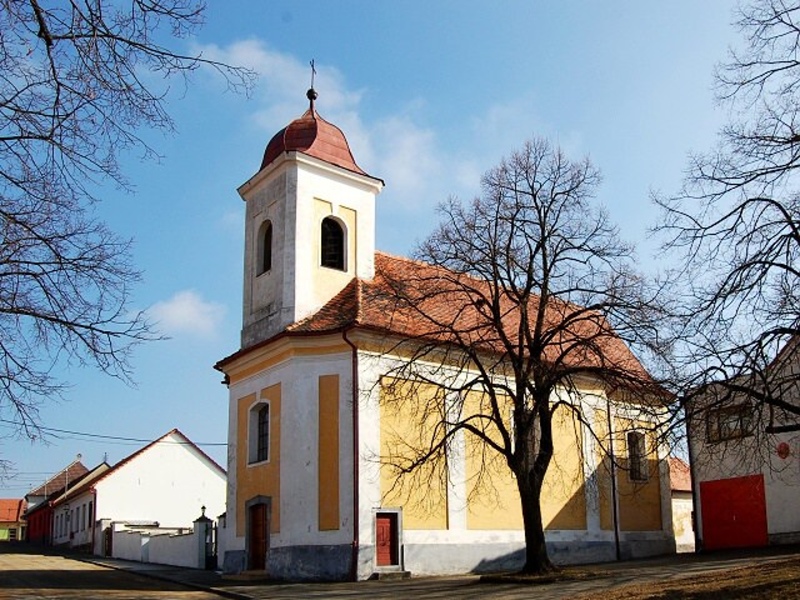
(734, 512)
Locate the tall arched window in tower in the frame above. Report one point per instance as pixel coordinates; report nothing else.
(264, 247)
(332, 244)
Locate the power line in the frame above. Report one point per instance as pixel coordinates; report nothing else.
(109, 437)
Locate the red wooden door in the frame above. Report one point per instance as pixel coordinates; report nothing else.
(386, 541)
(734, 512)
(258, 537)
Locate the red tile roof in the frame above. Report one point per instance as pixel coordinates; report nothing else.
(433, 303)
(11, 510)
(68, 475)
(679, 477)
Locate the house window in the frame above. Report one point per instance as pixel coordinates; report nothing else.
(259, 433)
(332, 244)
(264, 247)
(637, 456)
(90, 512)
(12, 534)
(728, 423)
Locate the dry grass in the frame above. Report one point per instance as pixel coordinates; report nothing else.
(769, 581)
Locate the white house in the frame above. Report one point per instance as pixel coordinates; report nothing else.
(167, 482)
(746, 458)
(311, 412)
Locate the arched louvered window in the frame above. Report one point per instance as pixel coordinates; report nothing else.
(332, 244)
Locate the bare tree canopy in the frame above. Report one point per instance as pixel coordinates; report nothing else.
(79, 80)
(520, 297)
(736, 222)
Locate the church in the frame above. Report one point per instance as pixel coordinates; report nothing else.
(311, 416)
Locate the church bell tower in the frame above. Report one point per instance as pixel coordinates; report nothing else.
(309, 225)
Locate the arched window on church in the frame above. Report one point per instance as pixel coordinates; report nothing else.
(332, 244)
(264, 247)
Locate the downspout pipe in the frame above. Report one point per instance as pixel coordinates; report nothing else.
(698, 541)
(93, 516)
(614, 499)
(355, 386)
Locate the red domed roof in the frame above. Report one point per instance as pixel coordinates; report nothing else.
(312, 135)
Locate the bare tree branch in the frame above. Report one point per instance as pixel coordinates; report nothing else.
(519, 298)
(79, 80)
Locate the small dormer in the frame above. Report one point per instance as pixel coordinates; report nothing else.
(310, 225)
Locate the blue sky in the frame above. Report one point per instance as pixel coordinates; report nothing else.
(429, 95)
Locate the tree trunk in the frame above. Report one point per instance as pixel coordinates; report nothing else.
(536, 559)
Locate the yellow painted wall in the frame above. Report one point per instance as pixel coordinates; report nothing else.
(328, 448)
(409, 414)
(493, 497)
(262, 478)
(639, 502)
(328, 282)
(603, 474)
(564, 490)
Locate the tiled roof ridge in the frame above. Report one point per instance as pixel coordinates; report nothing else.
(359, 299)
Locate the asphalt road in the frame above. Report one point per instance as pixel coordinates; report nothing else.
(26, 575)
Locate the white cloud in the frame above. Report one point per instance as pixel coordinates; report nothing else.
(187, 312)
(418, 165)
(282, 82)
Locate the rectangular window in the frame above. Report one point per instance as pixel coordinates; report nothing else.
(12, 534)
(637, 456)
(91, 516)
(263, 433)
(728, 423)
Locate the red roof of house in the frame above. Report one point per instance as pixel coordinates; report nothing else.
(312, 135)
(434, 303)
(12, 510)
(680, 478)
(66, 476)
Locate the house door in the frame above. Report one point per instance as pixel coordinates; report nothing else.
(258, 536)
(734, 512)
(387, 542)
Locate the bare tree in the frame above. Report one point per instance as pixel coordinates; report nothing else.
(736, 224)
(520, 297)
(79, 80)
